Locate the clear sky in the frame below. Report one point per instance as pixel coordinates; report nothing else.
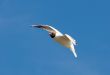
(28, 51)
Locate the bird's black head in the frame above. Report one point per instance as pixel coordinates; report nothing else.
(52, 35)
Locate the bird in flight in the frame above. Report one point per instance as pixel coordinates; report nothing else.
(63, 39)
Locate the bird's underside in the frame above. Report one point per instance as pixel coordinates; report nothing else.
(63, 41)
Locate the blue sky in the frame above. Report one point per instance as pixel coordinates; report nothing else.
(28, 51)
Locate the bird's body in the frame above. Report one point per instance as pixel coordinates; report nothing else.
(63, 39)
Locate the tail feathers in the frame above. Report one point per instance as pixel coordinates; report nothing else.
(73, 51)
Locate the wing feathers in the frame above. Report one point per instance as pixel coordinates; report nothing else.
(48, 28)
(73, 51)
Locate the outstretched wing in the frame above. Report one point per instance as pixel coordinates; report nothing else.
(71, 39)
(72, 45)
(73, 50)
(47, 28)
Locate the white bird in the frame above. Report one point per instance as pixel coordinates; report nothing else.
(63, 39)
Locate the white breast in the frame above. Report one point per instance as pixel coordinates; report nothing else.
(62, 40)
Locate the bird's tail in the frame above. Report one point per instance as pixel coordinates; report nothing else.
(73, 51)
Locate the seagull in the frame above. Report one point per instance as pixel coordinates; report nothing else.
(63, 39)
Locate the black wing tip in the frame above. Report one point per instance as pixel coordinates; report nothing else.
(38, 26)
